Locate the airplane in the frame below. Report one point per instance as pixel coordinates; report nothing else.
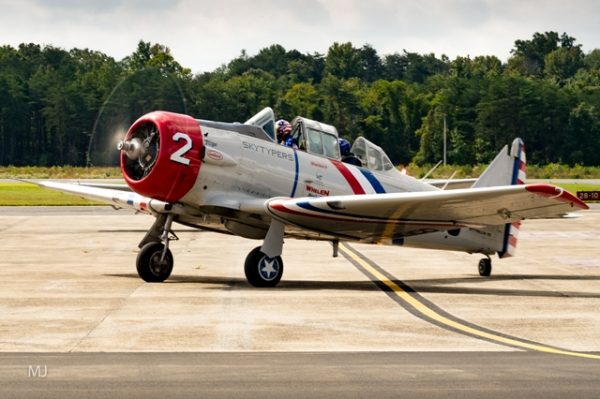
(234, 178)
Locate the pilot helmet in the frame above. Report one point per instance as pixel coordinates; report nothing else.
(282, 128)
(344, 146)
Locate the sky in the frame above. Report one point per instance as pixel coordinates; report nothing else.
(204, 35)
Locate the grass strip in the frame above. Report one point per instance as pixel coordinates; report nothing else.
(28, 194)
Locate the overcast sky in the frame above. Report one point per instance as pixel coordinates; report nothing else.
(205, 34)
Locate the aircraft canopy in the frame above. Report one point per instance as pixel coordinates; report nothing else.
(371, 155)
(322, 139)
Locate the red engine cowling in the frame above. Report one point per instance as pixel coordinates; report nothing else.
(161, 155)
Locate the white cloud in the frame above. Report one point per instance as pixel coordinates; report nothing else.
(204, 34)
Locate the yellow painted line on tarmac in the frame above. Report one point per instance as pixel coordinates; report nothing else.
(434, 315)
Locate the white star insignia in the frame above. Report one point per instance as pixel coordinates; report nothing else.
(268, 267)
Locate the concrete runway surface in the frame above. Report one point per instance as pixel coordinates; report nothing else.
(463, 375)
(427, 325)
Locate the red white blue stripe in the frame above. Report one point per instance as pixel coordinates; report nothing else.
(360, 180)
(306, 209)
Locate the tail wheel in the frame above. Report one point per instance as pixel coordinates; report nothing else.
(151, 266)
(485, 267)
(262, 271)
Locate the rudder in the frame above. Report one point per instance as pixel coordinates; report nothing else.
(508, 168)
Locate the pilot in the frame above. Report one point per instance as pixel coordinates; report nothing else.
(283, 129)
(347, 155)
(280, 127)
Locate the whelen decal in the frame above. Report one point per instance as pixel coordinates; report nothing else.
(320, 192)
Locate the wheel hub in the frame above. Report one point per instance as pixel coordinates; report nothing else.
(268, 268)
(156, 265)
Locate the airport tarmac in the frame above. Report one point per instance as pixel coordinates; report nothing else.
(68, 287)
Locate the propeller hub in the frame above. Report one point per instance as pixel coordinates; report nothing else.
(133, 148)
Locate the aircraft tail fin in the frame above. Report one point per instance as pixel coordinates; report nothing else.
(508, 168)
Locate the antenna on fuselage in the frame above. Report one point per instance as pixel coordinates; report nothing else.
(431, 170)
(449, 179)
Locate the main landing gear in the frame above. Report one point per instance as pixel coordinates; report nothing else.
(262, 270)
(263, 267)
(485, 267)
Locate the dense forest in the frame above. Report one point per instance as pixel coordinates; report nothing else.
(61, 107)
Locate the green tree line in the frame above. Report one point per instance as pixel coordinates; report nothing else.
(60, 107)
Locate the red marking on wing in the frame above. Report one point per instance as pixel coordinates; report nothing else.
(548, 190)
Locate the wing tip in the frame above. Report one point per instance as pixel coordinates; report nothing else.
(551, 191)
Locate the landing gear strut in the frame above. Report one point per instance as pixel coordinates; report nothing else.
(155, 261)
(485, 267)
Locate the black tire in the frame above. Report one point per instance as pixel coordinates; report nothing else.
(148, 264)
(485, 267)
(262, 271)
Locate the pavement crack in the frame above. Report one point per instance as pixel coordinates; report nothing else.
(19, 221)
(109, 312)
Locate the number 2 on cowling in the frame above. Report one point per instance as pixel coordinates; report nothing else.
(178, 156)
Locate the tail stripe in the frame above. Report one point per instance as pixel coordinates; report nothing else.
(521, 174)
(511, 232)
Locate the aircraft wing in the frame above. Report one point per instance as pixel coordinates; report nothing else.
(115, 197)
(376, 216)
